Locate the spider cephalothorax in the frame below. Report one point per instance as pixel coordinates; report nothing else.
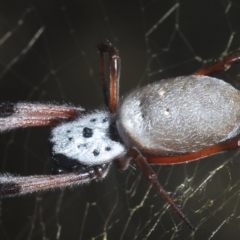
(85, 141)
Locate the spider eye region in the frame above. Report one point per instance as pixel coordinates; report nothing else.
(87, 139)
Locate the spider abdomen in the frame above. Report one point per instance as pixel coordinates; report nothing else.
(179, 115)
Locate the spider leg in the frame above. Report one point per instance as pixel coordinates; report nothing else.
(115, 64)
(104, 78)
(230, 144)
(35, 114)
(151, 176)
(219, 66)
(11, 186)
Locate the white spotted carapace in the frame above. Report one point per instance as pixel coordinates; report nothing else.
(87, 139)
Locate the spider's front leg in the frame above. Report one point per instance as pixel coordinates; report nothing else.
(16, 115)
(11, 186)
(115, 65)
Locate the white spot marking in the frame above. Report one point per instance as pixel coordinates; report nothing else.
(167, 113)
(162, 91)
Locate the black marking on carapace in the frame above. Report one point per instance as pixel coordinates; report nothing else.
(113, 133)
(70, 139)
(68, 131)
(108, 148)
(6, 109)
(87, 132)
(93, 120)
(96, 152)
(105, 119)
(63, 164)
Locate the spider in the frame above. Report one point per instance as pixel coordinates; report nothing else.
(170, 121)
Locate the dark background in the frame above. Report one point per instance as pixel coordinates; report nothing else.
(48, 53)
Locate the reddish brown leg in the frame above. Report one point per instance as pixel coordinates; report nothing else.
(11, 185)
(221, 147)
(151, 176)
(219, 66)
(114, 59)
(35, 114)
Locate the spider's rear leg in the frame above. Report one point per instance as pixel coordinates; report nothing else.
(35, 114)
(134, 154)
(230, 144)
(219, 66)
